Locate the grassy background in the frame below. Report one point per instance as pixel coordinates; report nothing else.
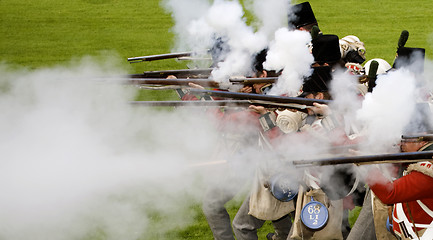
(36, 33)
(44, 33)
(49, 32)
(378, 23)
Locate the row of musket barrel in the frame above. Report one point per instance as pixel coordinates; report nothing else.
(183, 77)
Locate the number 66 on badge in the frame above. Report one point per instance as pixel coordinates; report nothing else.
(314, 215)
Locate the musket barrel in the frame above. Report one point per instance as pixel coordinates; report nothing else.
(180, 73)
(418, 137)
(254, 80)
(249, 96)
(369, 159)
(181, 82)
(218, 103)
(159, 57)
(205, 82)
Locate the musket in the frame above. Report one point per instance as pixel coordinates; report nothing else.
(185, 73)
(417, 137)
(159, 57)
(250, 96)
(200, 81)
(250, 81)
(179, 81)
(181, 73)
(405, 157)
(216, 103)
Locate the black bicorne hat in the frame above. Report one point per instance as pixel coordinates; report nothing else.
(411, 57)
(326, 48)
(303, 15)
(318, 81)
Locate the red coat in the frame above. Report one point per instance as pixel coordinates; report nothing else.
(416, 185)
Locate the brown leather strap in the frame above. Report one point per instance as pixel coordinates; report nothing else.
(411, 219)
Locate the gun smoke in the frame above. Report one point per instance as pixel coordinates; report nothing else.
(79, 161)
(224, 23)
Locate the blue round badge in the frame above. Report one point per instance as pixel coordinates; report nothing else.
(314, 215)
(280, 187)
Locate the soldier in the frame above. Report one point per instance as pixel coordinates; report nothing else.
(327, 54)
(260, 205)
(327, 126)
(411, 195)
(235, 142)
(352, 53)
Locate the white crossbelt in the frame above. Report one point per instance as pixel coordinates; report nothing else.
(402, 219)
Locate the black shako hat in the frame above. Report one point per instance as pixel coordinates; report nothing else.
(411, 57)
(259, 59)
(326, 48)
(302, 15)
(318, 81)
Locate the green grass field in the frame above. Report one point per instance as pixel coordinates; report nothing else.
(45, 33)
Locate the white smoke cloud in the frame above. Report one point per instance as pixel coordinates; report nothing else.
(387, 110)
(271, 15)
(242, 40)
(347, 99)
(184, 12)
(289, 52)
(343, 88)
(225, 20)
(78, 160)
(428, 72)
